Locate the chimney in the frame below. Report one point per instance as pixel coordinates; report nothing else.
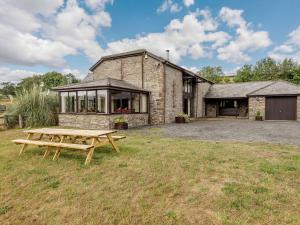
(168, 54)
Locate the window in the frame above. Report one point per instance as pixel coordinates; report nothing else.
(228, 104)
(72, 102)
(135, 102)
(81, 101)
(120, 102)
(187, 86)
(143, 103)
(91, 101)
(97, 101)
(63, 102)
(102, 101)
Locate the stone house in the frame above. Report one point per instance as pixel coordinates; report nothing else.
(142, 87)
(147, 89)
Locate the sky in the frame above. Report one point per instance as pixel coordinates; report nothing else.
(69, 36)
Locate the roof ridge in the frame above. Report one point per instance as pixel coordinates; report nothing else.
(268, 85)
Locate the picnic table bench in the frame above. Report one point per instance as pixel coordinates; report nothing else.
(68, 139)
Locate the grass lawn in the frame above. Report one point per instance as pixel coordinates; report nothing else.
(153, 180)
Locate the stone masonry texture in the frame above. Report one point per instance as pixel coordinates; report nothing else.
(256, 104)
(174, 94)
(100, 121)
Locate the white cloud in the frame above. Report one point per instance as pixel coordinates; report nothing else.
(188, 3)
(27, 49)
(186, 37)
(246, 40)
(289, 49)
(44, 32)
(77, 29)
(168, 5)
(9, 75)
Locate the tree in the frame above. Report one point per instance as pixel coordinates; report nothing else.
(269, 69)
(28, 82)
(244, 74)
(47, 80)
(8, 88)
(71, 78)
(53, 79)
(213, 74)
(266, 69)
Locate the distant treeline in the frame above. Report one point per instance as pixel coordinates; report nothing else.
(265, 69)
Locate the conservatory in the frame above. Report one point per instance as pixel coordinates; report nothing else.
(97, 104)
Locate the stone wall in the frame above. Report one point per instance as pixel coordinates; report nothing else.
(200, 104)
(154, 82)
(256, 104)
(100, 121)
(174, 93)
(143, 73)
(108, 68)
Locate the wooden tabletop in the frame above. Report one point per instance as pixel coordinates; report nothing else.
(70, 132)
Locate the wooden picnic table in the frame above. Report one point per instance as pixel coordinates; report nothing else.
(86, 140)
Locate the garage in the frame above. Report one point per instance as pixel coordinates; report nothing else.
(281, 108)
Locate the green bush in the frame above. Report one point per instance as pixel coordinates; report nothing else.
(37, 107)
(119, 119)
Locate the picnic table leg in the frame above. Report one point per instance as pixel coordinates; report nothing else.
(57, 152)
(46, 152)
(90, 153)
(29, 136)
(111, 140)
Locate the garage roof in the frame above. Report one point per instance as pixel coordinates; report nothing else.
(235, 90)
(257, 88)
(278, 88)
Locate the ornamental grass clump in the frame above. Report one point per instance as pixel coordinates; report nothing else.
(36, 106)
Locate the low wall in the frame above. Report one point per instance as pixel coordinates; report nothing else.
(100, 121)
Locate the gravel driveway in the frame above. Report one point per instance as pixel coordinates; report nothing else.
(284, 132)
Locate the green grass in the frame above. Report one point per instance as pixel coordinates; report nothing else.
(153, 180)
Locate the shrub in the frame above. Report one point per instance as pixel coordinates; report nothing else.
(119, 119)
(37, 107)
(258, 114)
(185, 116)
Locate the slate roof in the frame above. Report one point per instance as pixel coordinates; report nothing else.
(257, 88)
(235, 90)
(107, 82)
(278, 88)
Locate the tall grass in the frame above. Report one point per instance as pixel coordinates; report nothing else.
(36, 106)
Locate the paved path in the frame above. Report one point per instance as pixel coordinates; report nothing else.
(284, 132)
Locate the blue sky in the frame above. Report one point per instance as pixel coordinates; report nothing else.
(70, 35)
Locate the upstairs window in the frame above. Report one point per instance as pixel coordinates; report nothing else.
(187, 86)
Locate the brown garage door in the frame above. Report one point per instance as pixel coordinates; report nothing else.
(281, 108)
